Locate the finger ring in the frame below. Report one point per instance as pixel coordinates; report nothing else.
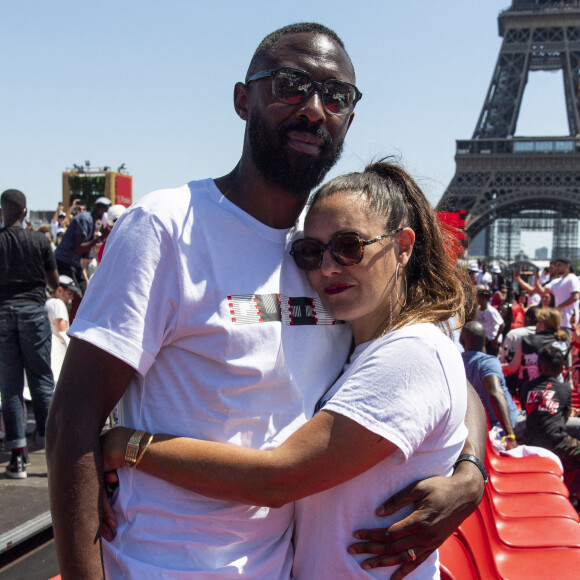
(412, 554)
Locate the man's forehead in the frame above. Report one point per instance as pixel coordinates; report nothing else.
(310, 51)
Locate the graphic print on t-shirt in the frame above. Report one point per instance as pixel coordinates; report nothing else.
(542, 401)
(290, 311)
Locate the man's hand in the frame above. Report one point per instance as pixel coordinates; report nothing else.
(441, 504)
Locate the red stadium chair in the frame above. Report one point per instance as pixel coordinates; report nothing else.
(494, 461)
(547, 532)
(531, 505)
(527, 483)
(455, 561)
(493, 559)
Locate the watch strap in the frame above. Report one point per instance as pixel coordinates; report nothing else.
(132, 451)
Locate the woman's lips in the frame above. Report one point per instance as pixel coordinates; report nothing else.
(337, 288)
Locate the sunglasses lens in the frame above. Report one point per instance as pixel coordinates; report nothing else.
(307, 254)
(291, 86)
(346, 249)
(338, 97)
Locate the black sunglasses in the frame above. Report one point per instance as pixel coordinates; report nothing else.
(346, 248)
(293, 86)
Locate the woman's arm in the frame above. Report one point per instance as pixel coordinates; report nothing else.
(514, 365)
(326, 451)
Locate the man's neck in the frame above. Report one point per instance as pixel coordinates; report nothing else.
(250, 191)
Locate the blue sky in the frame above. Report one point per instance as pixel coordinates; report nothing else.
(149, 84)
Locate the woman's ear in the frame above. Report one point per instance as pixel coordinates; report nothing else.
(241, 100)
(405, 248)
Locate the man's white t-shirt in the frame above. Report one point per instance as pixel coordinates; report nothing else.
(562, 288)
(230, 344)
(56, 309)
(491, 320)
(484, 279)
(408, 387)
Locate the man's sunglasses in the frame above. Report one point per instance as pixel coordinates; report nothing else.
(346, 248)
(293, 86)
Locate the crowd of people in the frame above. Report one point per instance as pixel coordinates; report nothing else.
(529, 331)
(43, 276)
(291, 402)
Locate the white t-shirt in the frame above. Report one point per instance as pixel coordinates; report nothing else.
(410, 388)
(230, 344)
(484, 278)
(561, 288)
(56, 309)
(491, 320)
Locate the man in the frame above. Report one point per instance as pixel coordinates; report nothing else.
(484, 373)
(565, 288)
(79, 239)
(57, 308)
(113, 214)
(483, 278)
(27, 265)
(199, 319)
(490, 318)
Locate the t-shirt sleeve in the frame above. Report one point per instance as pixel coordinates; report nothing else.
(490, 366)
(399, 392)
(131, 306)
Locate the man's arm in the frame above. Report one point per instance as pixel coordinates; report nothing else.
(81, 404)
(51, 279)
(573, 298)
(500, 407)
(441, 504)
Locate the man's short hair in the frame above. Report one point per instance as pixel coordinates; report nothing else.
(266, 48)
(552, 359)
(14, 198)
(564, 261)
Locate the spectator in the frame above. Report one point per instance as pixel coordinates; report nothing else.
(59, 222)
(46, 231)
(565, 288)
(518, 310)
(511, 344)
(483, 278)
(80, 237)
(27, 264)
(548, 332)
(490, 318)
(547, 300)
(485, 374)
(499, 296)
(112, 216)
(548, 402)
(57, 308)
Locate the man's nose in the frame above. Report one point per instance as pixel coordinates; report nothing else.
(312, 108)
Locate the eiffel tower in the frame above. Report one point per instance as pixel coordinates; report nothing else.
(509, 184)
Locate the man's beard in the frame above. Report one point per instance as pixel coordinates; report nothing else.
(295, 172)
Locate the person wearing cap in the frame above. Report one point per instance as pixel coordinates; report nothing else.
(111, 216)
(484, 277)
(565, 289)
(27, 264)
(57, 308)
(490, 318)
(80, 237)
(58, 223)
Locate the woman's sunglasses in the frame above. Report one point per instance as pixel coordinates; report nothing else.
(346, 248)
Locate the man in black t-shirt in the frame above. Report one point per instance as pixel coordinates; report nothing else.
(548, 402)
(27, 264)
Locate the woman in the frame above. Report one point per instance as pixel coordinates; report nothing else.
(394, 415)
(519, 310)
(525, 361)
(547, 300)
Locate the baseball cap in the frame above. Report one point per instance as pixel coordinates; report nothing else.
(114, 213)
(103, 201)
(69, 283)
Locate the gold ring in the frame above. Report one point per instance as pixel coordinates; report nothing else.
(412, 554)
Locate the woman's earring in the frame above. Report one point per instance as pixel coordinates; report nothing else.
(396, 281)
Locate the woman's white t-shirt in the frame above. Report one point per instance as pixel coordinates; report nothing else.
(410, 388)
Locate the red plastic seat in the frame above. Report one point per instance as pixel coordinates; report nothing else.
(531, 505)
(507, 483)
(493, 559)
(547, 532)
(455, 561)
(494, 461)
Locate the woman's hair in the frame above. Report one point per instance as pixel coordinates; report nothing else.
(437, 288)
(551, 320)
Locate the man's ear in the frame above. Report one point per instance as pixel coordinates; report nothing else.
(241, 100)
